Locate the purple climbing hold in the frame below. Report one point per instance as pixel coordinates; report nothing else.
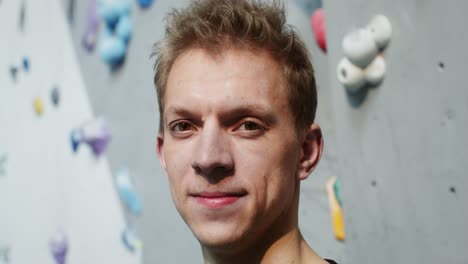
(92, 26)
(58, 246)
(96, 134)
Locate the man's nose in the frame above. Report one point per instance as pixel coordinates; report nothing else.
(213, 158)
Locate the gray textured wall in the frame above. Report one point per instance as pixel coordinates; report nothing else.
(409, 135)
(128, 100)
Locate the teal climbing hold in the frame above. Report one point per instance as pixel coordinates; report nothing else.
(337, 189)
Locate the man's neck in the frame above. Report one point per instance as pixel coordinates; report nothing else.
(289, 248)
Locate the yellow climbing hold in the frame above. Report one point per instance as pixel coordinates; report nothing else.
(38, 105)
(336, 211)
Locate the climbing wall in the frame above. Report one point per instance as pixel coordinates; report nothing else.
(45, 188)
(402, 148)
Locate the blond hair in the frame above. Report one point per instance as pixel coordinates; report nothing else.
(251, 24)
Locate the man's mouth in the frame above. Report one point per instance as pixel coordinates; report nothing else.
(217, 199)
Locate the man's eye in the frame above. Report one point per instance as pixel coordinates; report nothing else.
(250, 126)
(181, 127)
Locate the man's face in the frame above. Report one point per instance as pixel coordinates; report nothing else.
(229, 146)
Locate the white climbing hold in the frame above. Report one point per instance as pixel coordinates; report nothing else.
(375, 72)
(359, 47)
(349, 75)
(381, 30)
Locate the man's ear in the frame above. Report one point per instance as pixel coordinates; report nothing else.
(312, 148)
(159, 147)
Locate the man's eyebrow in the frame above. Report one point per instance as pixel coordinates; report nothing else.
(229, 115)
(235, 113)
(175, 110)
(180, 111)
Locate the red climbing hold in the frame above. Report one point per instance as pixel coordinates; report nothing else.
(318, 26)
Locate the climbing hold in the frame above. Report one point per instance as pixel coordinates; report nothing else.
(58, 246)
(145, 3)
(13, 72)
(124, 28)
(92, 25)
(359, 47)
(318, 26)
(71, 11)
(25, 63)
(108, 13)
(381, 30)
(127, 191)
(38, 105)
(22, 14)
(123, 7)
(363, 65)
(336, 211)
(111, 10)
(349, 75)
(337, 190)
(375, 72)
(3, 160)
(4, 254)
(95, 133)
(112, 50)
(55, 96)
(130, 240)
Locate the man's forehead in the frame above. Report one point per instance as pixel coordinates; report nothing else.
(245, 82)
(198, 60)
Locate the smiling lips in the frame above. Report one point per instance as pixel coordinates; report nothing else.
(217, 199)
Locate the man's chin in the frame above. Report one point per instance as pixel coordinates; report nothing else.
(219, 238)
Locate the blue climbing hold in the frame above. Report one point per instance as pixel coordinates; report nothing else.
(124, 28)
(112, 50)
(111, 10)
(127, 191)
(76, 138)
(337, 189)
(145, 3)
(26, 64)
(130, 240)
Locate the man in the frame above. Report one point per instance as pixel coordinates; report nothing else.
(237, 103)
